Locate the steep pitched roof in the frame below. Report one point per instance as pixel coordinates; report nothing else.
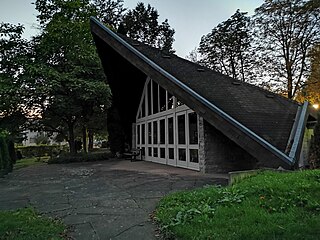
(259, 121)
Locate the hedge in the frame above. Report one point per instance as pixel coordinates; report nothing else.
(41, 150)
(81, 157)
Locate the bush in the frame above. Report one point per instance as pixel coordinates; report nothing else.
(6, 164)
(41, 150)
(80, 157)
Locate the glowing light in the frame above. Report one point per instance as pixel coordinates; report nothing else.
(316, 106)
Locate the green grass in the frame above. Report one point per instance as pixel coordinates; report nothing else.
(26, 162)
(26, 224)
(269, 205)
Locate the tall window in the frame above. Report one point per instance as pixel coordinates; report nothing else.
(155, 98)
(149, 88)
(143, 134)
(162, 99)
(181, 130)
(170, 131)
(193, 128)
(162, 131)
(155, 132)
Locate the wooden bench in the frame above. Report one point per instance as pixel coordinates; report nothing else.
(133, 154)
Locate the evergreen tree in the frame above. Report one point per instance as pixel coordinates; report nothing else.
(141, 23)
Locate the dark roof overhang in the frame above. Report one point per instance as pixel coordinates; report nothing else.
(229, 126)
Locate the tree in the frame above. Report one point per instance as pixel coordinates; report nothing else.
(68, 82)
(286, 30)
(226, 48)
(110, 12)
(14, 54)
(142, 24)
(193, 56)
(311, 89)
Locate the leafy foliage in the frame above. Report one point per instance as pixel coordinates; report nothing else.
(311, 90)
(281, 205)
(227, 48)
(110, 12)
(71, 88)
(14, 54)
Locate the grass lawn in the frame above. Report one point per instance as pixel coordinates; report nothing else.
(26, 224)
(26, 162)
(269, 205)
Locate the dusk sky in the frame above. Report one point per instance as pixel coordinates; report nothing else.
(191, 19)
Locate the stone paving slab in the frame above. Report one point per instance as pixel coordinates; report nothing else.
(103, 200)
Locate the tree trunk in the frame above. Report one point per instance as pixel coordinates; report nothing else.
(290, 86)
(90, 135)
(72, 144)
(84, 139)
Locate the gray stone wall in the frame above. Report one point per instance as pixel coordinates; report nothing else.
(202, 156)
(220, 154)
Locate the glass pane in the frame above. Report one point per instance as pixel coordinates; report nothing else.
(149, 98)
(170, 101)
(150, 151)
(155, 97)
(181, 130)
(155, 132)
(143, 151)
(170, 130)
(138, 134)
(194, 155)
(162, 131)
(143, 134)
(149, 133)
(171, 153)
(162, 99)
(193, 128)
(155, 152)
(162, 153)
(182, 154)
(143, 108)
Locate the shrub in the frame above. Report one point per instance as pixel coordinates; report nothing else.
(80, 157)
(12, 151)
(41, 150)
